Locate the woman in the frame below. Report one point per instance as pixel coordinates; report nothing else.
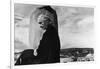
(49, 48)
(46, 43)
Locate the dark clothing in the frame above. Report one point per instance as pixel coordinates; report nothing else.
(26, 58)
(49, 48)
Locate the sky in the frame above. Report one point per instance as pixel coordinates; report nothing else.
(75, 24)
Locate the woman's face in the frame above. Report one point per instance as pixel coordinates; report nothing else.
(43, 21)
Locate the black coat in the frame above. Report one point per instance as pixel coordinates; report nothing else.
(49, 48)
(27, 58)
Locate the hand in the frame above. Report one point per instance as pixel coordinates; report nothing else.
(35, 52)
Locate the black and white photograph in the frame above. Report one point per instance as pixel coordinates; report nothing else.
(50, 34)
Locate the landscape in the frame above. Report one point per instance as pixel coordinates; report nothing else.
(72, 55)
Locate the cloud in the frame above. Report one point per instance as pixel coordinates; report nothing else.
(78, 34)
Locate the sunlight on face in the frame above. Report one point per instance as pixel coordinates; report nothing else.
(43, 21)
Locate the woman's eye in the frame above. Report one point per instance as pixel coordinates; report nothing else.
(40, 22)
